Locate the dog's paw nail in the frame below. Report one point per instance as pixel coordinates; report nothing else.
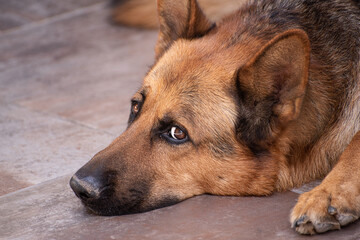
(300, 221)
(345, 219)
(332, 210)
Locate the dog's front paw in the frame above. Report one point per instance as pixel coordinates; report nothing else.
(323, 209)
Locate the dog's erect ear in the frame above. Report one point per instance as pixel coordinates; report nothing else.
(271, 87)
(179, 19)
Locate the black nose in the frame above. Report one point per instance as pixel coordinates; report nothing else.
(86, 188)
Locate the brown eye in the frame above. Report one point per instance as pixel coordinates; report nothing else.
(177, 134)
(135, 107)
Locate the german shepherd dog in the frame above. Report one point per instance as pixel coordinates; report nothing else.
(265, 100)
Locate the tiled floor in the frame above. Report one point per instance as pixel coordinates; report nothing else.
(66, 77)
(16, 13)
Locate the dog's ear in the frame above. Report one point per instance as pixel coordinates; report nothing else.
(179, 19)
(271, 88)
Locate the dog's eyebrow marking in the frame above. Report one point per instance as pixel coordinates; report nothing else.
(143, 95)
(166, 121)
(140, 96)
(160, 126)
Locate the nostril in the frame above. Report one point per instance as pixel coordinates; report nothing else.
(76, 187)
(84, 189)
(84, 195)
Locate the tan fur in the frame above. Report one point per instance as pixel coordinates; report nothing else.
(336, 202)
(269, 99)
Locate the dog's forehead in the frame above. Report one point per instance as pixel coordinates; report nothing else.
(190, 63)
(207, 59)
(184, 77)
(186, 82)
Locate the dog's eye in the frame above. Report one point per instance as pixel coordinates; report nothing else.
(177, 134)
(135, 107)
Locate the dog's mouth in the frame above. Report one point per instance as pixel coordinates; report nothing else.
(109, 207)
(114, 207)
(106, 202)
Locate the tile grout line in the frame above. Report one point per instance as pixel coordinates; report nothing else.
(56, 116)
(56, 18)
(68, 175)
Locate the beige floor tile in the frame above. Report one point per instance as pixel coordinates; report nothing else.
(80, 68)
(9, 20)
(36, 147)
(9, 183)
(40, 9)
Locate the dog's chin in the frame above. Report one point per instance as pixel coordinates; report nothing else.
(93, 210)
(114, 208)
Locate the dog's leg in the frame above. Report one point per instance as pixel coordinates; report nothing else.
(336, 201)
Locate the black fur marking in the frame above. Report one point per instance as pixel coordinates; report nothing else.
(253, 126)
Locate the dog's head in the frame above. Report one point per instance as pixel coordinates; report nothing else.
(205, 119)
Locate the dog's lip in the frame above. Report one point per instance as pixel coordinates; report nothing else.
(102, 210)
(90, 209)
(94, 205)
(107, 206)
